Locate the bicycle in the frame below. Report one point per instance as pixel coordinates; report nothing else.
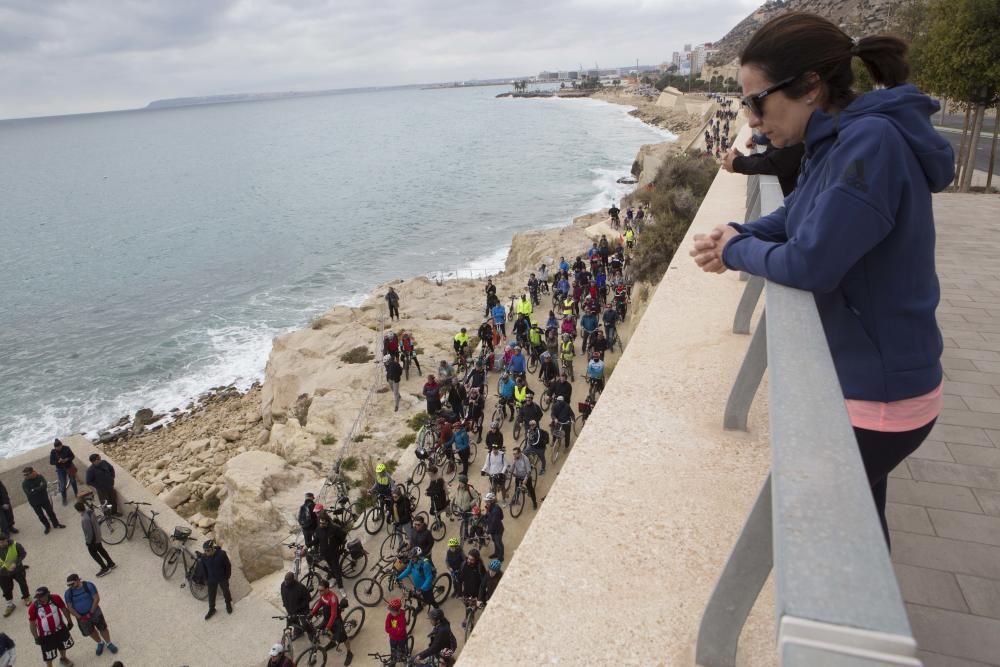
(408, 357)
(181, 554)
(113, 529)
(519, 495)
(560, 431)
(158, 542)
(583, 411)
(391, 660)
(368, 591)
(353, 621)
(471, 607)
(567, 366)
(316, 653)
(437, 526)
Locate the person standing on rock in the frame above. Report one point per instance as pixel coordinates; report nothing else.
(392, 299)
(307, 520)
(217, 570)
(6, 512)
(62, 458)
(84, 603)
(393, 375)
(432, 393)
(12, 570)
(92, 538)
(36, 489)
(101, 476)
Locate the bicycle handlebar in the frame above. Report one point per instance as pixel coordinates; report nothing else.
(135, 502)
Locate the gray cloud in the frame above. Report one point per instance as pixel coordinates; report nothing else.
(68, 56)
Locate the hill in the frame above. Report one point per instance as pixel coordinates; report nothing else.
(856, 17)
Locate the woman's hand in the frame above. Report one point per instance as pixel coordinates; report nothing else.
(707, 251)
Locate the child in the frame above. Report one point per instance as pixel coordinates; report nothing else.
(454, 559)
(395, 627)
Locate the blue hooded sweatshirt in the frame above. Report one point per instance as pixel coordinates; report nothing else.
(858, 232)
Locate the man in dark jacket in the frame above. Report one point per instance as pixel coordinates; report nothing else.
(392, 300)
(307, 520)
(494, 524)
(295, 599)
(101, 476)
(6, 512)
(36, 489)
(217, 570)
(421, 536)
(440, 635)
(330, 540)
(62, 458)
(393, 375)
(781, 162)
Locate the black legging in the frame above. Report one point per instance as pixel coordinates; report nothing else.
(881, 452)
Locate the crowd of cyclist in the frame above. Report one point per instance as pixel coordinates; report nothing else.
(590, 296)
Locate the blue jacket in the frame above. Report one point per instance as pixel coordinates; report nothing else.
(517, 364)
(422, 573)
(499, 314)
(507, 388)
(459, 440)
(858, 232)
(589, 322)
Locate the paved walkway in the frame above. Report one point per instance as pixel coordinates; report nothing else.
(944, 507)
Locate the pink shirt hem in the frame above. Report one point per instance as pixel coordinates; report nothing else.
(897, 416)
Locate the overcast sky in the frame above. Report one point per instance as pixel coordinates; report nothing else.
(73, 56)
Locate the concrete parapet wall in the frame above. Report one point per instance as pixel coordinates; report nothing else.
(618, 564)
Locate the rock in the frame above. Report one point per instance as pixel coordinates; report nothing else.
(177, 477)
(196, 473)
(142, 417)
(212, 491)
(301, 408)
(292, 442)
(248, 524)
(230, 435)
(261, 439)
(176, 496)
(196, 446)
(155, 487)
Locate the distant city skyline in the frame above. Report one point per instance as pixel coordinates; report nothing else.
(78, 56)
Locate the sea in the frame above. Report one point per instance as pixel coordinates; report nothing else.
(151, 255)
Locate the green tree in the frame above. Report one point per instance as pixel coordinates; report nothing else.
(958, 57)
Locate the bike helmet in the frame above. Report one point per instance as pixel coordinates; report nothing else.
(495, 565)
(318, 507)
(490, 496)
(277, 650)
(453, 542)
(417, 552)
(395, 603)
(560, 398)
(435, 614)
(380, 467)
(475, 510)
(495, 424)
(387, 358)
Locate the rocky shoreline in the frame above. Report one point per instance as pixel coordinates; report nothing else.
(236, 464)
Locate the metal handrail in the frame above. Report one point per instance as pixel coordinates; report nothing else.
(836, 597)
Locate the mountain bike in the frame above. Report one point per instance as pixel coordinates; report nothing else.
(520, 493)
(158, 542)
(407, 358)
(315, 655)
(371, 591)
(471, 607)
(567, 366)
(181, 554)
(583, 411)
(113, 529)
(560, 432)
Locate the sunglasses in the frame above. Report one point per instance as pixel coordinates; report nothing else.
(755, 102)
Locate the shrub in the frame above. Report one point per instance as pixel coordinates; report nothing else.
(406, 440)
(349, 463)
(357, 355)
(361, 437)
(390, 466)
(418, 421)
(328, 439)
(210, 505)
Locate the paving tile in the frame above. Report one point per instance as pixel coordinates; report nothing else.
(929, 494)
(965, 526)
(909, 518)
(966, 435)
(961, 353)
(972, 344)
(989, 500)
(985, 365)
(972, 455)
(932, 588)
(968, 417)
(982, 595)
(951, 363)
(955, 634)
(956, 295)
(902, 471)
(950, 402)
(954, 473)
(937, 660)
(969, 389)
(991, 405)
(938, 451)
(994, 436)
(974, 376)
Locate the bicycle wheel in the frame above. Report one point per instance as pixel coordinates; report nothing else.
(556, 447)
(170, 561)
(470, 622)
(578, 424)
(546, 400)
(438, 528)
(517, 429)
(374, 518)
(368, 591)
(353, 621)
(473, 451)
(442, 588)
(418, 473)
(517, 502)
(314, 656)
(390, 545)
(532, 363)
(413, 491)
(197, 586)
(113, 530)
(130, 525)
(158, 542)
(498, 415)
(352, 567)
(411, 618)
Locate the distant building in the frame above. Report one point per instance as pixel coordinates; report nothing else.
(676, 59)
(687, 48)
(548, 76)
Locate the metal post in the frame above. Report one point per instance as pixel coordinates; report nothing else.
(747, 380)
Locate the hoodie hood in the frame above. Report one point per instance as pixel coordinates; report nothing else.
(909, 110)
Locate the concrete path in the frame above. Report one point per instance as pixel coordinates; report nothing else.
(944, 508)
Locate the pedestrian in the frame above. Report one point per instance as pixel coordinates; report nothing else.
(217, 570)
(101, 476)
(395, 627)
(92, 538)
(12, 569)
(6, 512)
(8, 653)
(62, 458)
(49, 623)
(307, 520)
(36, 489)
(494, 524)
(393, 374)
(295, 599)
(84, 603)
(392, 299)
(330, 540)
(278, 658)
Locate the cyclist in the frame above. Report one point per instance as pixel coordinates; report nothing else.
(548, 370)
(485, 334)
(499, 314)
(522, 325)
(477, 529)
(330, 540)
(493, 519)
(589, 325)
(563, 387)
(491, 582)
(562, 414)
(390, 345)
(610, 317)
(535, 441)
(420, 570)
(568, 327)
(382, 488)
(445, 372)
(521, 392)
(471, 574)
(432, 393)
(533, 289)
(629, 237)
(530, 410)
(569, 305)
(464, 500)
(331, 606)
(475, 408)
(461, 343)
(595, 371)
(621, 299)
(408, 346)
(563, 265)
(599, 344)
(613, 212)
(567, 350)
(441, 637)
(436, 491)
(454, 558)
(506, 392)
(536, 339)
(543, 277)
(460, 441)
(494, 438)
(477, 376)
(517, 366)
(494, 468)
(520, 468)
(421, 537)
(402, 512)
(601, 282)
(524, 306)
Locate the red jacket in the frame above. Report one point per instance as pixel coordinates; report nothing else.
(395, 626)
(328, 599)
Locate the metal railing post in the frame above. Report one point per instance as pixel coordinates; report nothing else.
(747, 380)
(748, 303)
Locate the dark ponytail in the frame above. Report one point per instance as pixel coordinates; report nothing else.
(797, 43)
